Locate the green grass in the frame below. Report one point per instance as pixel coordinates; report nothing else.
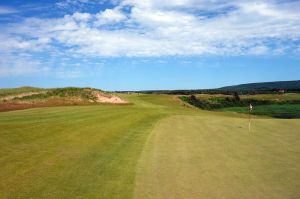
(67, 152)
(273, 97)
(71, 152)
(155, 148)
(275, 105)
(274, 110)
(211, 156)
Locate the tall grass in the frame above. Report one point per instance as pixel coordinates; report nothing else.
(270, 105)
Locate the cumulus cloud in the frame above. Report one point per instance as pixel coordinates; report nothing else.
(152, 28)
(82, 16)
(109, 16)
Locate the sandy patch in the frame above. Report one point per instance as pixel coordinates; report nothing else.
(107, 98)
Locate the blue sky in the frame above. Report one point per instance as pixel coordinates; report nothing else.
(149, 44)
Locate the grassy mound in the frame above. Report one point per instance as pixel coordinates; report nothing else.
(28, 97)
(4, 92)
(69, 92)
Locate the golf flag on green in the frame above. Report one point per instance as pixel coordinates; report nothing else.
(250, 109)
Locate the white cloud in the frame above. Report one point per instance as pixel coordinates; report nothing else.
(163, 28)
(259, 50)
(82, 16)
(109, 16)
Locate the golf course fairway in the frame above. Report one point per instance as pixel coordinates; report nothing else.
(153, 148)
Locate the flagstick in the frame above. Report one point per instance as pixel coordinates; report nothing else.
(250, 109)
(249, 121)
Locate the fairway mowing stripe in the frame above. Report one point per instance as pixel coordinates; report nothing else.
(78, 157)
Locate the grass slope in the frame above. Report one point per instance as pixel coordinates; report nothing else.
(111, 151)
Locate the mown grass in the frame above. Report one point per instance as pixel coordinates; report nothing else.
(211, 156)
(102, 152)
(84, 152)
(75, 152)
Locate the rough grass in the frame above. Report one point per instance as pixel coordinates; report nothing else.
(275, 105)
(110, 151)
(14, 91)
(272, 97)
(274, 110)
(82, 93)
(28, 97)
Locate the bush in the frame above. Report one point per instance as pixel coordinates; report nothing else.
(221, 102)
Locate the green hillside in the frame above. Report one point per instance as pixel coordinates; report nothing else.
(265, 86)
(252, 88)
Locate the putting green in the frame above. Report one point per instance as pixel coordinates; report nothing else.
(217, 157)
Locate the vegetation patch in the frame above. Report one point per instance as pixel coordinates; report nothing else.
(28, 97)
(287, 111)
(81, 93)
(4, 92)
(270, 105)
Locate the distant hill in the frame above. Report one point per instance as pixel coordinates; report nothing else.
(265, 86)
(252, 88)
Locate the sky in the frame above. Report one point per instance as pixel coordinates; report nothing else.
(148, 44)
